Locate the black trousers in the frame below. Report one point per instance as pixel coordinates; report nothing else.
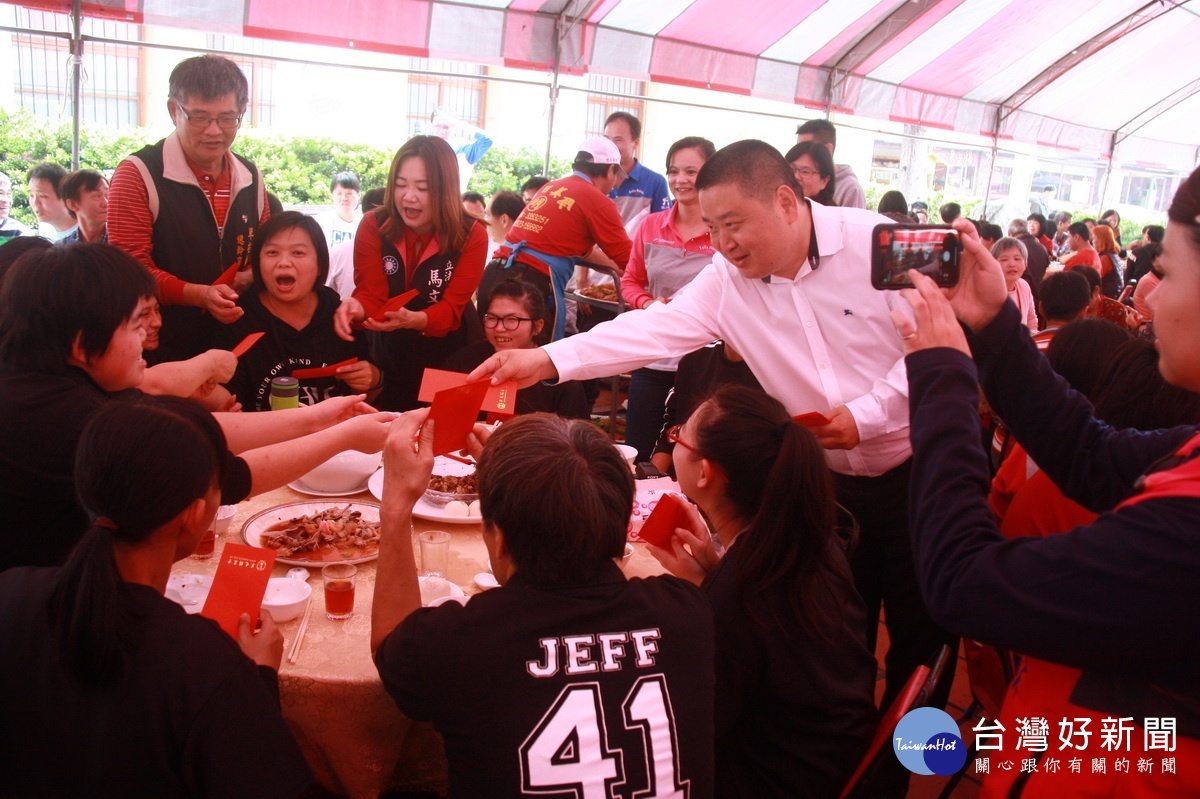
(885, 577)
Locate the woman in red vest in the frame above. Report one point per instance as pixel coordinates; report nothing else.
(1107, 703)
(420, 239)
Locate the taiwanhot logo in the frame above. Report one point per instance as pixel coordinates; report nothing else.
(926, 742)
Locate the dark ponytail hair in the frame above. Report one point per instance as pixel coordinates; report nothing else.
(137, 467)
(778, 480)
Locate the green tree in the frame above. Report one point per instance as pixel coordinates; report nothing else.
(505, 169)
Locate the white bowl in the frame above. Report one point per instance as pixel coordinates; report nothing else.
(285, 598)
(627, 452)
(224, 516)
(347, 471)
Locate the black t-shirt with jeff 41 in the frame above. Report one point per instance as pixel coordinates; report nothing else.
(602, 689)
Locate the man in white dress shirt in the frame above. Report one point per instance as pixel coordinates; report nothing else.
(790, 289)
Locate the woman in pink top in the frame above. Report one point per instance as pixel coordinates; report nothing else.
(1011, 254)
(669, 249)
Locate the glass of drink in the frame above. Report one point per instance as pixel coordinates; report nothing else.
(435, 552)
(204, 550)
(339, 589)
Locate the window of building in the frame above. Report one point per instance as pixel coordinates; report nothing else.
(600, 106)
(1152, 192)
(461, 96)
(259, 72)
(111, 73)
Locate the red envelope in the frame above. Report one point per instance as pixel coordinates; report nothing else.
(245, 344)
(322, 371)
(500, 400)
(811, 419)
(227, 277)
(453, 413)
(239, 585)
(395, 304)
(660, 525)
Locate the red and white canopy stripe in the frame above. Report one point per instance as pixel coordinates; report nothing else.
(1082, 75)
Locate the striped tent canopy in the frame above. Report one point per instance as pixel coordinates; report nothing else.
(1089, 76)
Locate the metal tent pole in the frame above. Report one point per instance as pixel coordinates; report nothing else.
(76, 79)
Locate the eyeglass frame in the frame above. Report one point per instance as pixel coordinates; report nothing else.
(502, 321)
(194, 121)
(673, 437)
(805, 172)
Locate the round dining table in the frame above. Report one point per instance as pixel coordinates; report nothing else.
(356, 741)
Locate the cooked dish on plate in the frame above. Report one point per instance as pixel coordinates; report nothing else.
(325, 535)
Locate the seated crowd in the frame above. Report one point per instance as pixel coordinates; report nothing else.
(769, 378)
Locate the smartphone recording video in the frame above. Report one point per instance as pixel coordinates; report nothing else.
(930, 249)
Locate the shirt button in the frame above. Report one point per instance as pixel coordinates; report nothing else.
(808, 324)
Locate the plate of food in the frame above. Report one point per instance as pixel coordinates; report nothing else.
(602, 296)
(452, 495)
(316, 533)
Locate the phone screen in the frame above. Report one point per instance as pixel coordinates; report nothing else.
(931, 250)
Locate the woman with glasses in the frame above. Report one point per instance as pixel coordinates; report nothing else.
(420, 240)
(812, 165)
(795, 682)
(515, 315)
(669, 249)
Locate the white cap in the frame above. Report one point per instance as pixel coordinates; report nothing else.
(598, 150)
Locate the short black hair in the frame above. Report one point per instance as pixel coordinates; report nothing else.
(893, 202)
(208, 77)
(1080, 229)
(1081, 351)
(1155, 233)
(372, 199)
(1050, 188)
(53, 173)
(347, 180)
(1064, 295)
(754, 166)
(474, 197)
(530, 297)
(534, 183)
(539, 455)
(1091, 274)
(507, 203)
(78, 181)
(635, 124)
(707, 148)
(289, 220)
(821, 130)
(949, 212)
(52, 296)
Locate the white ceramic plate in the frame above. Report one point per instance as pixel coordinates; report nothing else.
(425, 510)
(256, 524)
(300, 488)
(189, 590)
(486, 581)
(454, 591)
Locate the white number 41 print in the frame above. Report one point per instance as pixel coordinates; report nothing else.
(568, 751)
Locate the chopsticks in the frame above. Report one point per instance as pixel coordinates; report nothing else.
(295, 650)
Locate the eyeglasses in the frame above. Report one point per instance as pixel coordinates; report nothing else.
(202, 121)
(491, 321)
(805, 172)
(673, 437)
